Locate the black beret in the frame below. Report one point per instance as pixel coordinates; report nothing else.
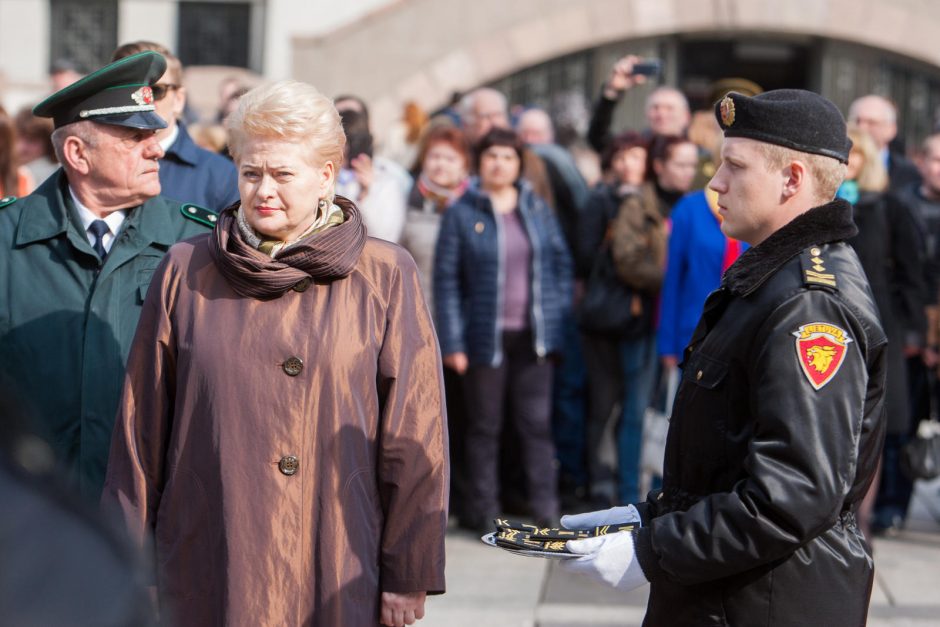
(119, 94)
(794, 118)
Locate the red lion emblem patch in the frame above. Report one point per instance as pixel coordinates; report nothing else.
(820, 347)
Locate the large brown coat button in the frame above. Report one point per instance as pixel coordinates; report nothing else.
(293, 365)
(302, 285)
(288, 464)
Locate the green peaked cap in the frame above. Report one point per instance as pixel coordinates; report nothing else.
(119, 94)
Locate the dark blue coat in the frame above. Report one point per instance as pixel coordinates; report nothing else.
(190, 174)
(469, 275)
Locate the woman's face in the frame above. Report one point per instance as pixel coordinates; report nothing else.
(678, 171)
(629, 166)
(499, 167)
(444, 166)
(280, 186)
(856, 162)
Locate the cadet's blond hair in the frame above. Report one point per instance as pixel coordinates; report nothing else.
(290, 111)
(827, 172)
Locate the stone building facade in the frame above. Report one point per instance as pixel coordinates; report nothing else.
(540, 51)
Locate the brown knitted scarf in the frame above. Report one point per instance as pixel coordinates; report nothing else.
(327, 255)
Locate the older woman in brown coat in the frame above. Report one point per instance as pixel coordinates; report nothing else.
(281, 433)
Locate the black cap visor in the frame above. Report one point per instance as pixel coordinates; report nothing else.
(136, 119)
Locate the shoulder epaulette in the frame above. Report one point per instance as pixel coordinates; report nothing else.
(7, 200)
(200, 215)
(814, 268)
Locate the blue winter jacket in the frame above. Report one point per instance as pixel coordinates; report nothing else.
(469, 276)
(693, 271)
(191, 174)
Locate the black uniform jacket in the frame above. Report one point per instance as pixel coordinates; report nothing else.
(775, 436)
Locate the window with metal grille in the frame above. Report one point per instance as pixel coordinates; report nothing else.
(83, 32)
(214, 33)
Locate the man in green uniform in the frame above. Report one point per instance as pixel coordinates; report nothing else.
(76, 257)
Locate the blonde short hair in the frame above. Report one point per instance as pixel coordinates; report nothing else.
(873, 177)
(827, 172)
(291, 111)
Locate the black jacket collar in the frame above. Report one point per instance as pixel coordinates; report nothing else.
(827, 223)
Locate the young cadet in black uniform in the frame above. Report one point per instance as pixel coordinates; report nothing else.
(778, 423)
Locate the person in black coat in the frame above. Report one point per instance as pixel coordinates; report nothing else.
(878, 116)
(777, 426)
(887, 237)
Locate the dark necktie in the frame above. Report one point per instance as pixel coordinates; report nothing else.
(98, 228)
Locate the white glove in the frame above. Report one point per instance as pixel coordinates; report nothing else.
(608, 559)
(613, 516)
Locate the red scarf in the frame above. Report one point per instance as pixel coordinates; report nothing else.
(442, 197)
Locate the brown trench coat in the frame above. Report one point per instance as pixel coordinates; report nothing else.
(209, 411)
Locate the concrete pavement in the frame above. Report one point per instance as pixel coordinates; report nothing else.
(490, 587)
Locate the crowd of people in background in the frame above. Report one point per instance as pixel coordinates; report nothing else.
(510, 229)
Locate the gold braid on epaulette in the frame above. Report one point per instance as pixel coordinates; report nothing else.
(814, 268)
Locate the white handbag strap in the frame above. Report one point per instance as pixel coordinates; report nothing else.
(672, 386)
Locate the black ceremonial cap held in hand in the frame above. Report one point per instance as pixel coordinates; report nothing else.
(794, 118)
(118, 94)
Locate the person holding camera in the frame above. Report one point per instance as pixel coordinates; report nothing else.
(667, 110)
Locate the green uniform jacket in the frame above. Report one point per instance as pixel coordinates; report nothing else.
(67, 320)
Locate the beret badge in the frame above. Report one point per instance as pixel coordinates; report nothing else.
(143, 96)
(726, 108)
(793, 118)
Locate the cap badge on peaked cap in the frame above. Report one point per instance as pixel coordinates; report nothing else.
(143, 96)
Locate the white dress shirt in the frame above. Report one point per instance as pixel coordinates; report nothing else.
(169, 139)
(114, 220)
